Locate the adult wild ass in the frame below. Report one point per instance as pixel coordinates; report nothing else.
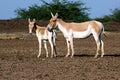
(43, 33)
(79, 30)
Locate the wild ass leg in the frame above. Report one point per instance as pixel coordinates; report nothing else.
(54, 45)
(39, 48)
(98, 48)
(51, 44)
(102, 48)
(45, 46)
(100, 44)
(68, 48)
(72, 47)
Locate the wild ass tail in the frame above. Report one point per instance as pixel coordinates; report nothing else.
(104, 33)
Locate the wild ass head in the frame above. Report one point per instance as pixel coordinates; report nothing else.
(52, 22)
(32, 25)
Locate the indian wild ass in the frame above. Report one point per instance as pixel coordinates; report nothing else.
(43, 33)
(79, 30)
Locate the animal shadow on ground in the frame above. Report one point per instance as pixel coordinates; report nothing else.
(107, 55)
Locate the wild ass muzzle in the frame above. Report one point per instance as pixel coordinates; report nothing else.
(44, 34)
(79, 30)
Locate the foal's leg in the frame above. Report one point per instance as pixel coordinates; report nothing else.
(68, 48)
(51, 44)
(40, 43)
(45, 46)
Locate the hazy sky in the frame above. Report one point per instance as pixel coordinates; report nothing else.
(98, 8)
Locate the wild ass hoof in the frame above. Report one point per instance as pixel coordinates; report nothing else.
(67, 55)
(101, 56)
(51, 56)
(55, 55)
(71, 56)
(47, 56)
(95, 57)
(38, 56)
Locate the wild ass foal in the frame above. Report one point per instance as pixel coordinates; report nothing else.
(79, 30)
(44, 33)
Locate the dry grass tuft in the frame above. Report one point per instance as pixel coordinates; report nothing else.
(9, 37)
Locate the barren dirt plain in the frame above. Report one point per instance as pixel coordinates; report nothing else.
(18, 56)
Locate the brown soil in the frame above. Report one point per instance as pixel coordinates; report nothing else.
(18, 58)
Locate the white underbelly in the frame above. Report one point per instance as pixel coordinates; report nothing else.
(81, 34)
(78, 34)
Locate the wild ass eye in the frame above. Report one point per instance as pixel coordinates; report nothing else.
(54, 20)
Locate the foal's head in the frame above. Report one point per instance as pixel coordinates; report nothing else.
(31, 25)
(52, 22)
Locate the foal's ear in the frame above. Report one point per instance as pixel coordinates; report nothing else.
(34, 20)
(52, 15)
(29, 20)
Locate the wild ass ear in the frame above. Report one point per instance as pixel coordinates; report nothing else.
(34, 20)
(52, 15)
(56, 15)
(29, 20)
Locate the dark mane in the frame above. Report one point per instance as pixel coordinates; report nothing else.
(35, 27)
